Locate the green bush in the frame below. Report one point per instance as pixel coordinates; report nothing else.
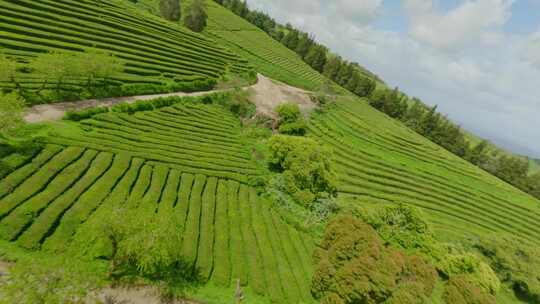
(196, 17)
(170, 9)
(354, 266)
(47, 282)
(85, 114)
(11, 110)
(306, 165)
(461, 290)
(516, 262)
(291, 121)
(478, 272)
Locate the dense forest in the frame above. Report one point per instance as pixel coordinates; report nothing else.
(418, 116)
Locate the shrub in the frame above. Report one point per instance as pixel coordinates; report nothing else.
(306, 166)
(239, 104)
(354, 266)
(196, 17)
(291, 121)
(85, 114)
(11, 110)
(460, 290)
(46, 282)
(170, 9)
(516, 262)
(146, 244)
(478, 272)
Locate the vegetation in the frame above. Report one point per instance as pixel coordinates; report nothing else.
(196, 17)
(291, 121)
(306, 167)
(157, 56)
(515, 263)
(429, 123)
(351, 76)
(196, 195)
(11, 110)
(378, 160)
(355, 267)
(170, 9)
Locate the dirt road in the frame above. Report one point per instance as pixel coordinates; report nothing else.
(266, 94)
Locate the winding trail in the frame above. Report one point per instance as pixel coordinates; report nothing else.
(266, 94)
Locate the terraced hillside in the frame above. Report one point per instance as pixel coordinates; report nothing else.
(268, 56)
(155, 52)
(186, 160)
(192, 138)
(382, 161)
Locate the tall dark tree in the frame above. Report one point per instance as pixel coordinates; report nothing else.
(331, 68)
(170, 9)
(430, 122)
(316, 57)
(196, 17)
(304, 44)
(291, 39)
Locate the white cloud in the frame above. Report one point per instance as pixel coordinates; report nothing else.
(489, 85)
(531, 49)
(471, 21)
(357, 11)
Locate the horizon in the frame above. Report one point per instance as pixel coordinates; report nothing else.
(468, 57)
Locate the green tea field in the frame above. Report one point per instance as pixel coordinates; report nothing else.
(383, 161)
(154, 52)
(187, 160)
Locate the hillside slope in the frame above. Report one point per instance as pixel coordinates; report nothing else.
(155, 52)
(382, 161)
(192, 158)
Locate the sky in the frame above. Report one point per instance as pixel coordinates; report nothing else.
(478, 60)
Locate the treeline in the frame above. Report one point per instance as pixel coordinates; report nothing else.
(414, 113)
(428, 122)
(349, 75)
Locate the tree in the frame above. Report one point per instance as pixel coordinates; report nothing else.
(478, 155)
(305, 42)
(291, 121)
(196, 17)
(429, 122)
(57, 66)
(316, 57)
(306, 165)
(354, 266)
(331, 68)
(291, 39)
(170, 9)
(11, 110)
(8, 72)
(414, 114)
(516, 262)
(94, 65)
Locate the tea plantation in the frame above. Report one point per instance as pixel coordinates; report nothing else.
(157, 55)
(383, 161)
(187, 160)
(205, 161)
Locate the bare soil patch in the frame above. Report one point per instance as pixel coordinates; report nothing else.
(267, 95)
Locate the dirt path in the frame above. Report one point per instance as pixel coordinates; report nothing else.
(267, 94)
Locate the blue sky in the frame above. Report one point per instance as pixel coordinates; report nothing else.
(479, 60)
